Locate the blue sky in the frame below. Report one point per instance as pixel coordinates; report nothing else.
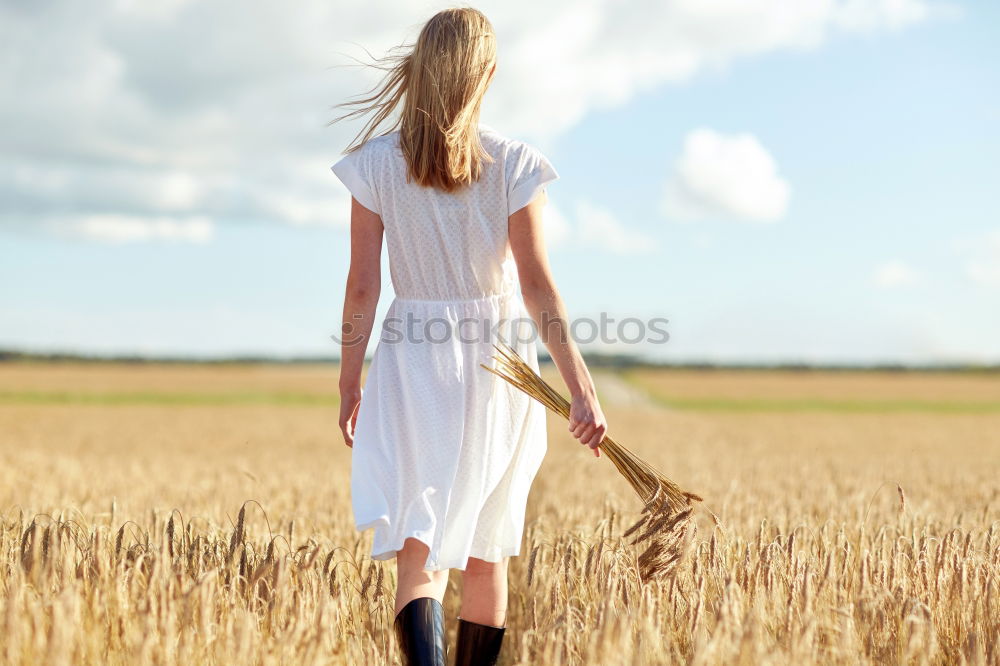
(820, 193)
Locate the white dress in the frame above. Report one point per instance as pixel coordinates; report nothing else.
(445, 451)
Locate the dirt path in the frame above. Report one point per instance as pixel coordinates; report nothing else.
(615, 390)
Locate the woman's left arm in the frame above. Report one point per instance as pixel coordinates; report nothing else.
(364, 284)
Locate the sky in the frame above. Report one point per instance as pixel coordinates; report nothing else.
(806, 182)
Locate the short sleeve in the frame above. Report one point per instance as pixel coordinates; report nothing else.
(352, 172)
(531, 172)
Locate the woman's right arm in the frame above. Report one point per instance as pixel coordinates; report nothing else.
(545, 305)
(364, 283)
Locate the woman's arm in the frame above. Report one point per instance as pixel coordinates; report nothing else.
(364, 283)
(545, 305)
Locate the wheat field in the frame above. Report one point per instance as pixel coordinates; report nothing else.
(172, 514)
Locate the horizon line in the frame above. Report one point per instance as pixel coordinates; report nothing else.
(596, 359)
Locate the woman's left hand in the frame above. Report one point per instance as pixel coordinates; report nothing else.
(349, 403)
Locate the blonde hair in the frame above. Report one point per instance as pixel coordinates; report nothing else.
(440, 82)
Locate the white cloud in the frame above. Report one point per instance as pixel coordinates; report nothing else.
(983, 263)
(600, 228)
(125, 229)
(157, 108)
(557, 227)
(563, 59)
(593, 227)
(894, 274)
(725, 176)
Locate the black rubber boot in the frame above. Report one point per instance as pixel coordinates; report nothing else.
(478, 644)
(420, 632)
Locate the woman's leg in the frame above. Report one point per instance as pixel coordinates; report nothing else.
(413, 581)
(484, 592)
(483, 618)
(419, 622)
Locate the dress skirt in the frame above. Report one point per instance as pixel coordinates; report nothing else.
(445, 451)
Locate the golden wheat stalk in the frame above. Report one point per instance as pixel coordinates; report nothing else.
(648, 482)
(667, 509)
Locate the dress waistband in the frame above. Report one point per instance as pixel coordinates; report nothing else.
(500, 295)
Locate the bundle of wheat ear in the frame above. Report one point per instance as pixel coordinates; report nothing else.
(666, 516)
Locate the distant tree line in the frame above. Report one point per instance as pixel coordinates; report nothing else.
(595, 359)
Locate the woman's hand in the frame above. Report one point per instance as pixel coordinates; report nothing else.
(586, 421)
(350, 400)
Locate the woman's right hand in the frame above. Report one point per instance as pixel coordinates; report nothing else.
(350, 401)
(586, 421)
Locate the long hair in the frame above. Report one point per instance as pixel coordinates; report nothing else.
(440, 82)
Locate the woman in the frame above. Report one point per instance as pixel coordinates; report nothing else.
(444, 452)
